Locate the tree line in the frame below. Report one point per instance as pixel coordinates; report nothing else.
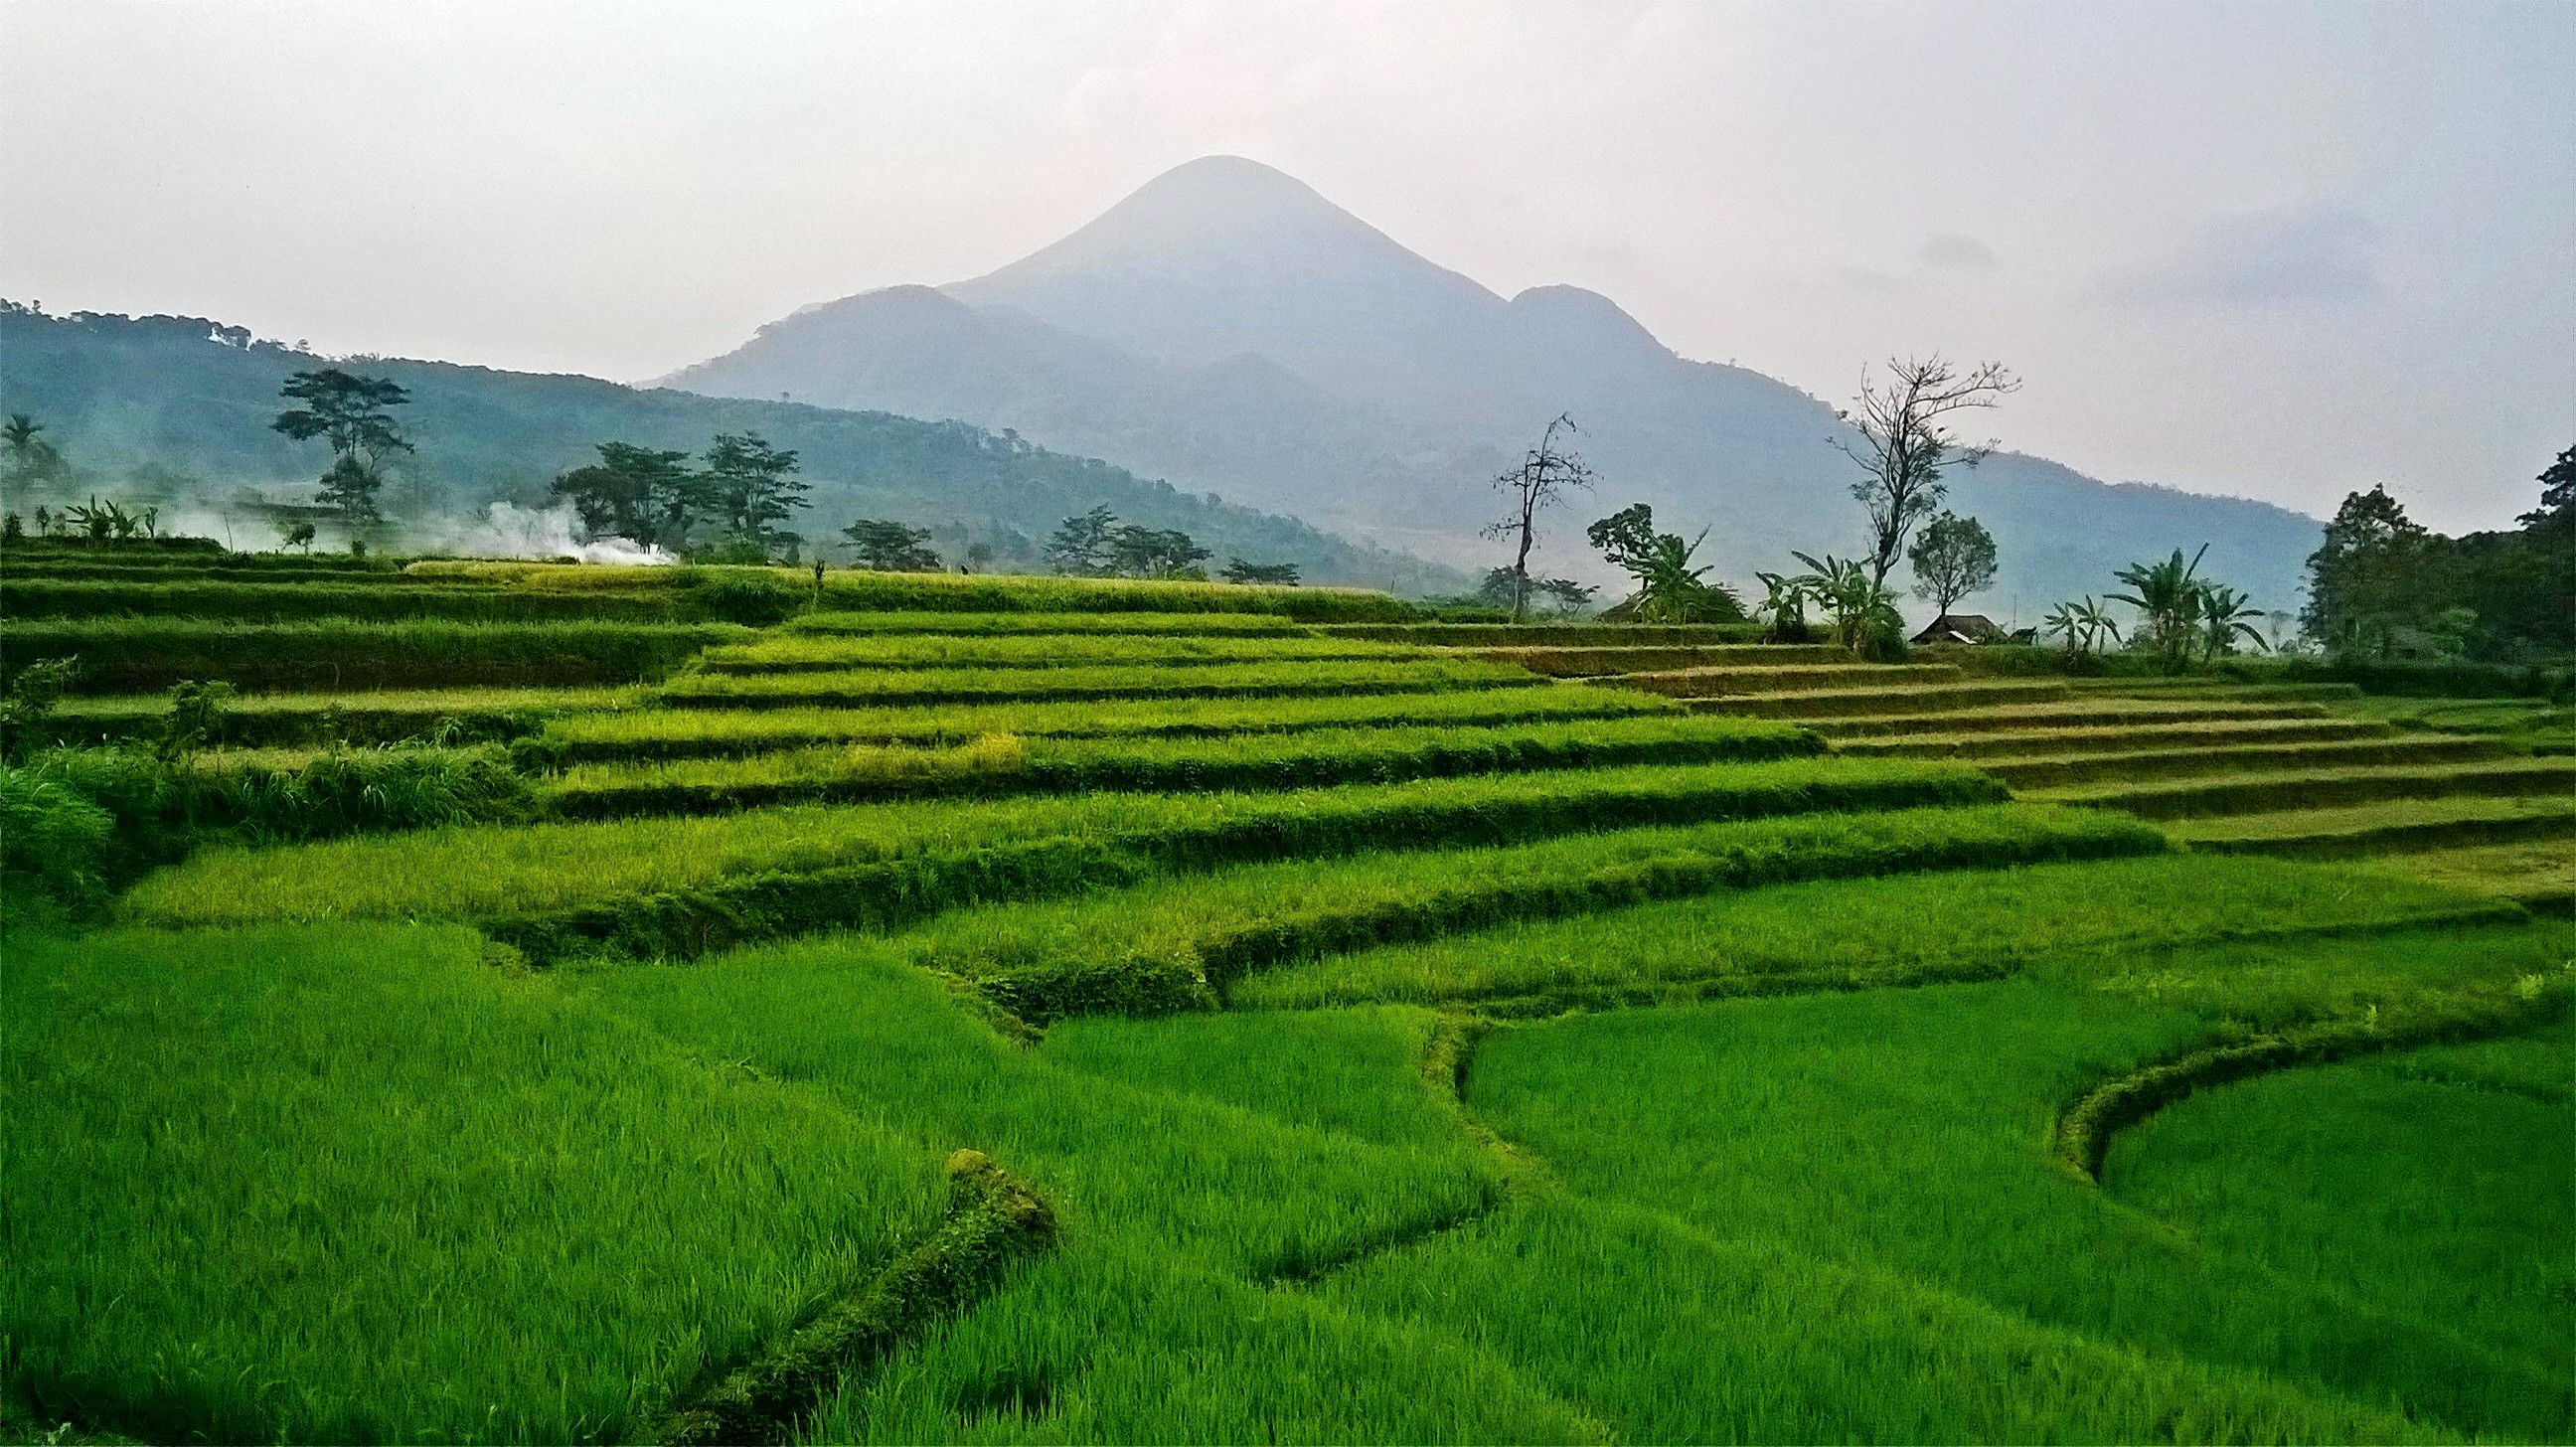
(2383, 585)
(1904, 440)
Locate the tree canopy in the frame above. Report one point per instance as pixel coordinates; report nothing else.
(1952, 557)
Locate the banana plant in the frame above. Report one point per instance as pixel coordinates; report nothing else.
(2082, 624)
(1670, 590)
(1854, 600)
(2225, 615)
(1783, 606)
(2168, 596)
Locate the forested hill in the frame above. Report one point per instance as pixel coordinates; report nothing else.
(178, 408)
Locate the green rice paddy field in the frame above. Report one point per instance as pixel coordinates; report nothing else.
(929, 1009)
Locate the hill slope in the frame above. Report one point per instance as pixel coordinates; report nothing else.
(188, 402)
(1227, 325)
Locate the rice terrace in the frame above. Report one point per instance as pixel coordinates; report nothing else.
(726, 910)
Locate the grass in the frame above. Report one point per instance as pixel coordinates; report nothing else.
(1753, 678)
(929, 687)
(125, 655)
(2246, 756)
(1599, 660)
(638, 734)
(1663, 1331)
(1553, 635)
(829, 653)
(2541, 874)
(2291, 1171)
(2063, 713)
(1560, 1096)
(2529, 724)
(307, 719)
(1910, 1134)
(1178, 1207)
(1934, 741)
(950, 592)
(2257, 792)
(997, 764)
(1848, 934)
(268, 600)
(1864, 698)
(1003, 625)
(495, 873)
(2197, 686)
(1179, 943)
(2396, 824)
(259, 1190)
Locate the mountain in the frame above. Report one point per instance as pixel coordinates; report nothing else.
(176, 411)
(1228, 326)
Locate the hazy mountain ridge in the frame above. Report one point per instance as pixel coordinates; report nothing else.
(189, 401)
(1249, 336)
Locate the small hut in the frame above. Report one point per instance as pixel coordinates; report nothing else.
(1960, 628)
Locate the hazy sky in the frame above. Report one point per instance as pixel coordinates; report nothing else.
(2279, 250)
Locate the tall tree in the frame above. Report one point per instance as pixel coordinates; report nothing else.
(754, 487)
(26, 457)
(1142, 552)
(1546, 474)
(891, 547)
(353, 414)
(2372, 574)
(2557, 496)
(643, 493)
(1904, 443)
(1277, 575)
(1953, 557)
(1080, 548)
(1669, 589)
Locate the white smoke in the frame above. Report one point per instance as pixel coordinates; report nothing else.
(506, 530)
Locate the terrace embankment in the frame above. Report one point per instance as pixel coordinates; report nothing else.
(1179, 901)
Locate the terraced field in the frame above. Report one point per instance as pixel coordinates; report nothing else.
(947, 1009)
(2305, 770)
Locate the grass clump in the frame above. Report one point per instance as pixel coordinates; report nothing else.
(257, 1191)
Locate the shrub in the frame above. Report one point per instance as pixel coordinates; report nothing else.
(756, 599)
(53, 837)
(161, 807)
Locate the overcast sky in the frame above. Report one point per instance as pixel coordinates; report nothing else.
(2277, 250)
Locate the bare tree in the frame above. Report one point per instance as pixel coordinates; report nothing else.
(1545, 475)
(1904, 444)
